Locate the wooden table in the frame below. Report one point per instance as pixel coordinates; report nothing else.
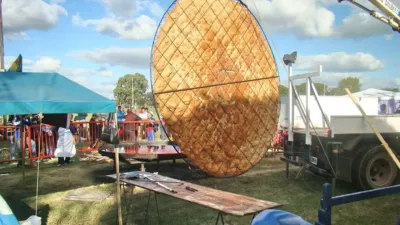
(221, 201)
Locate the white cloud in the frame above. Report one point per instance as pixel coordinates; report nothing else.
(332, 80)
(125, 19)
(340, 62)
(48, 64)
(57, 1)
(15, 35)
(314, 18)
(306, 18)
(127, 57)
(388, 36)
(78, 75)
(22, 15)
(142, 27)
(361, 25)
(105, 89)
(125, 8)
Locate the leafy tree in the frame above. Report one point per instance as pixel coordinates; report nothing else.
(283, 90)
(337, 91)
(123, 90)
(322, 89)
(302, 88)
(352, 83)
(392, 89)
(146, 100)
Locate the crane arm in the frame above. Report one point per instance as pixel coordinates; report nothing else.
(392, 13)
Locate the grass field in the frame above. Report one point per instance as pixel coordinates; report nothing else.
(266, 181)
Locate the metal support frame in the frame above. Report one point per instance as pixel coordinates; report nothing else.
(304, 111)
(327, 201)
(148, 205)
(392, 13)
(220, 215)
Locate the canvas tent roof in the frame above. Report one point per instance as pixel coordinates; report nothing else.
(29, 93)
(372, 92)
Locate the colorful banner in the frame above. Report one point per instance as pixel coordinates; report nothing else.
(16, 66)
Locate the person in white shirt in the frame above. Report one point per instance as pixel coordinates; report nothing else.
(143, 116)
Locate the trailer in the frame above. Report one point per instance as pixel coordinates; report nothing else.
(342, 147)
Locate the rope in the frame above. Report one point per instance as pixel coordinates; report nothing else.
(38, 163)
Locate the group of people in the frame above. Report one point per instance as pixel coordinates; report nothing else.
(64, 137)
(146, 128)
(47, 135)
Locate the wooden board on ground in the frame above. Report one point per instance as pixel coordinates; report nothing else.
(134, 161)
(88, 196)
(225, 202)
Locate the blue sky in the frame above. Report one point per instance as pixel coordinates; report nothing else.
(94, 42)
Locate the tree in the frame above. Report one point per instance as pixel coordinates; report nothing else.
(321, 88)
(146, 100)
(123, 90)
(283, 91)
(337, 91)
(352, 83)
(392, 89)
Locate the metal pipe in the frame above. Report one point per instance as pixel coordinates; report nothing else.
(1, 38)
(316, 96)
(308, 134)
(392, 19)
(291, 105)
(133, 95)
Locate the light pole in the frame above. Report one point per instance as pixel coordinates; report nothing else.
(133, 95)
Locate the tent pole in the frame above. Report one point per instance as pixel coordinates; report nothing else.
(2, 48)
(116, 158)
(21, 145)
(1, 38)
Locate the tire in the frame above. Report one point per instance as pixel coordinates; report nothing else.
(376, 169)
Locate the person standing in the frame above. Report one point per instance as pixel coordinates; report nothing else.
(131, 128)
(65, 144)
(95, 129)
(143, 116)
(120, 114)
(15, 135)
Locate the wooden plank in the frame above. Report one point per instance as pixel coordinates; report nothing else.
(226, 202)
(90, 196)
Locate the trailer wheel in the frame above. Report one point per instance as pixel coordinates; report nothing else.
(376, 169)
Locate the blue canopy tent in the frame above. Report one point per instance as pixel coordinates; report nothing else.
(47, 93)
(31, 93)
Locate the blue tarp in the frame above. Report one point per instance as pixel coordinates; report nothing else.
(30, 93)
(278, 217)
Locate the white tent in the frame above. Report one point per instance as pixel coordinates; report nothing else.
(380, 94)
(332, 106)
(389, 101)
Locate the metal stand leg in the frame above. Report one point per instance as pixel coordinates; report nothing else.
(147, 210)
(222, 218)
(148, 206)
(158, 212)
(252, 218)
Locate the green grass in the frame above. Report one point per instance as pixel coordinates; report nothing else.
(266, 181)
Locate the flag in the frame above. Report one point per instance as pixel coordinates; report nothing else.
(16, 66)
